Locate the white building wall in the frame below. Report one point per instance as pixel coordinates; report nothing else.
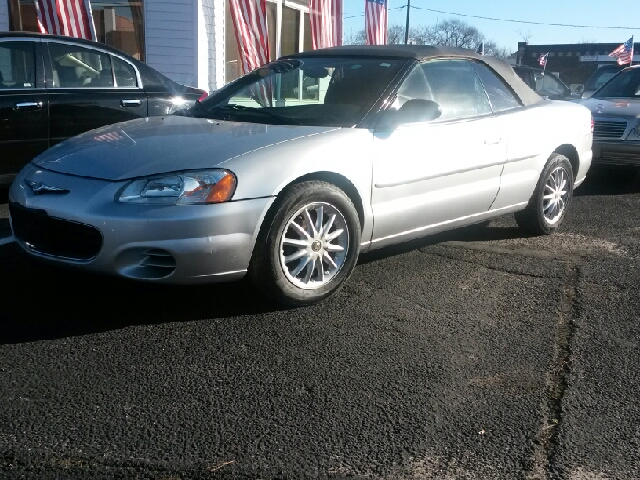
(211, 47)
(4, 15)
(171, 38)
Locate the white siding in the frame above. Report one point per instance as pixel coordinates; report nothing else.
(4, 15)
(170, 33)
(211, 44)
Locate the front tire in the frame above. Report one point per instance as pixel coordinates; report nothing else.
(308, 244)
(548, 205)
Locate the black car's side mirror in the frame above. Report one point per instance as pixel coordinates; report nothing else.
(412, 111)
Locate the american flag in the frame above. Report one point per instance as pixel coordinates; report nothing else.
(326, 23)
(543, 60)
(375, 14)
(624, 53)
(250, 21)
(66, 17)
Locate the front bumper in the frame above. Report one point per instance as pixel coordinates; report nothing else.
(169, 244)
(623, 153)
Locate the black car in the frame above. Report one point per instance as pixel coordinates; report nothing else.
(545, 84)
(54, 87)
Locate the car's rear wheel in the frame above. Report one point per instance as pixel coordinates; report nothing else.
(308, 244)
(548, 205)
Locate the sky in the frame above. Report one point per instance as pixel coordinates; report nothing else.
(507, 34)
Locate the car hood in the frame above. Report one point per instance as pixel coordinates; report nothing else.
(613, 107)
(158, 145)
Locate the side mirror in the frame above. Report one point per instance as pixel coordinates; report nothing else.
(418, 111)
(412, 111)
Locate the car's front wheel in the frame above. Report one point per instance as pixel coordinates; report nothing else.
(548, 205)
(308, 244)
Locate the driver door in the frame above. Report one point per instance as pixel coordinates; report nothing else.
(430, 176)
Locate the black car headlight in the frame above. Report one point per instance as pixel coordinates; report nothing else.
(187, 188)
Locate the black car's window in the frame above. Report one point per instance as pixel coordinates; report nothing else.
(455, 86)
(78, 67)
(304, 90)
(500, 95)
(17, 65)
(626, 85)
(547, 84)
(125, 73)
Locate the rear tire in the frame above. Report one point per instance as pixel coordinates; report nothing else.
(308, 244)
(548, 205)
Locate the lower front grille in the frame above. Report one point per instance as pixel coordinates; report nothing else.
(608, 129)
(54, 236)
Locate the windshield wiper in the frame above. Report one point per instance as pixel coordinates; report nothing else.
(251, 111)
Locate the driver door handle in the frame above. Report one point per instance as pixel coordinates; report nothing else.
(130, 103)
(26, 106)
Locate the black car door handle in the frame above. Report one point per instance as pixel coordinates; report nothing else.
(28, 106)
(130, 103)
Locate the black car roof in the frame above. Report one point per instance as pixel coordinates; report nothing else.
(151, 77)
(80, 41)
(426, 52)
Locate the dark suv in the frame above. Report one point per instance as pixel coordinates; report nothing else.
(544, 83)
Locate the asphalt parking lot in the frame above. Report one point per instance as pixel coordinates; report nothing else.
(477, 354)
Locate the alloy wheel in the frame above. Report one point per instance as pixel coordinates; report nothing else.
(314, 245)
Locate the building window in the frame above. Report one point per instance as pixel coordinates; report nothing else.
(294, 26)
(119, 23)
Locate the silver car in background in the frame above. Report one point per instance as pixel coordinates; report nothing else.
(291, 171)
(616, 111)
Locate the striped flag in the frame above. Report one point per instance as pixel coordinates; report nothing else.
(624, 53)
(542, 60)
(250, 21)
(66, 17)
(375, 13)
(326, 23)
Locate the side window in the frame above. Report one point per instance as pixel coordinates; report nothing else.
(455, 86)
(125, 73)
(17, 65)
(500, 95)
(415, 86)
(78, 67)
(547, 83)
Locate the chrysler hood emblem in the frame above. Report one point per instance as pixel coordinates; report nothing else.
(39, 187)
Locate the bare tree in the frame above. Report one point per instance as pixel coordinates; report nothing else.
(450, 33)
(526, 36)
(355, 38)
(395, 36)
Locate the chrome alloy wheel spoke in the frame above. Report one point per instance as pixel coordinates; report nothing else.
(556, 194)
(314, 245)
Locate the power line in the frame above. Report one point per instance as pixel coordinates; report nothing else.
(508, 19)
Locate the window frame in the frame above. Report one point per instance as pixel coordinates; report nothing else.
(38, 59)
(49, 66)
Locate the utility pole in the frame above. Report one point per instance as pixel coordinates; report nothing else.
(406, 30)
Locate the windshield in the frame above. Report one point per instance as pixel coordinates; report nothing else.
(626, 85)
(304, 91)
(599, 78)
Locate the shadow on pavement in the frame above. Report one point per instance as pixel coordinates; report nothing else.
(610, 181)
(482, 232)
(43, 302)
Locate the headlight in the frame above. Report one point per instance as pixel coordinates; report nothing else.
(636, 130)
(188, 188)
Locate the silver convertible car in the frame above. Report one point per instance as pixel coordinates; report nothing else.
(289, 172)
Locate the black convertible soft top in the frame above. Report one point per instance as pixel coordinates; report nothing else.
(425, 52)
